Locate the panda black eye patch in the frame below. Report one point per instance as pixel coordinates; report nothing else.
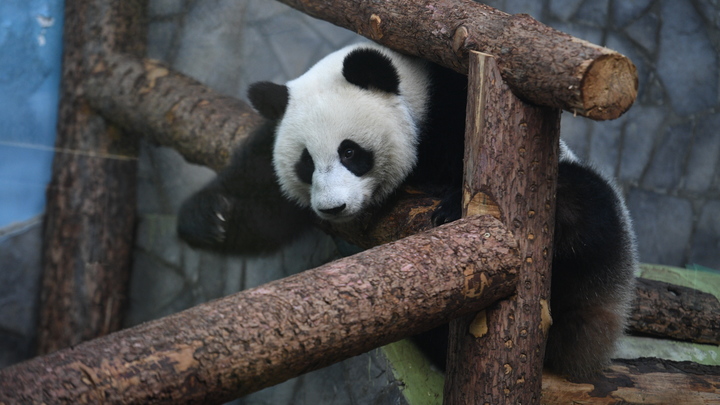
(305, 167)
(355, 158)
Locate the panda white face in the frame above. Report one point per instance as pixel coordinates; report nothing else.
(347, 135)
(344, 154)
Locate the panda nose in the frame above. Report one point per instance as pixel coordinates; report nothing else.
(334, 210)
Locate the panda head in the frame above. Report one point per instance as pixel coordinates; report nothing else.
(347, 129)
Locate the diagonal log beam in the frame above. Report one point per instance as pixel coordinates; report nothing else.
(227, 348)
(148, 98)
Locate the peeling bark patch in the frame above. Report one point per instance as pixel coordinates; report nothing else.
(422, 210)
(375, 30)
(546, 318)
(154, 72)
(475, 282)
(479, 327)
(482, 204)
(183, 359)
(461, 34)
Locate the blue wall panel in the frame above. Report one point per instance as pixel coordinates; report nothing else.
(30, 66)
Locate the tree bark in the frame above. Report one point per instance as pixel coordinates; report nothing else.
(646, 381)
(676, 312)
(90, 213)
(511, 151)
(170, 109)
(230, 347)
(540, 64)
(405, 214)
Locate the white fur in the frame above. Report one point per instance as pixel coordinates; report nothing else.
(566, 154)
(324, 109)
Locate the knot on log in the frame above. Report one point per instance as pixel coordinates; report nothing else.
(459, 38)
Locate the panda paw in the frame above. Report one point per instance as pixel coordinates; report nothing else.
(203, 220)
(449, 210)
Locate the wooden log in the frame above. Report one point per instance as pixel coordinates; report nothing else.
(671, 311)
(511, 152)
(168, 108)
(540, 64)
(227, 348)
(406, 213)
(90, 212)
(645, 381)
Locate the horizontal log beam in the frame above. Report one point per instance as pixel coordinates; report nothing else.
(676, 312)
(230, 347)
(540, 64)
(646, 381)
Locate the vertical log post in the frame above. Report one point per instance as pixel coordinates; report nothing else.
(511, 152)
(90, 214)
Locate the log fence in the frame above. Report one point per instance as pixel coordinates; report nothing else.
(498, 256)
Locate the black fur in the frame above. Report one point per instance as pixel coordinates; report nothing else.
(591, 273)
(269, 99)
(305, 167)
(242, 210)
(370, 69)
(356, 158)
(439, 170)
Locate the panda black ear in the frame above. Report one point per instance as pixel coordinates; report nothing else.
(269, 99)
(370, 69)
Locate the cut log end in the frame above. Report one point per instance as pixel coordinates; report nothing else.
(609, 87)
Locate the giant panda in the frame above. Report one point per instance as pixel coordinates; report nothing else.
(366, 120)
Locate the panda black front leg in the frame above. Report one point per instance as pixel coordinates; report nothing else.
(243, 209)
(450, 208)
